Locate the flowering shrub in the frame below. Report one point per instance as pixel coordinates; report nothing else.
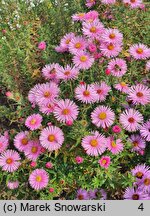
(84, 127)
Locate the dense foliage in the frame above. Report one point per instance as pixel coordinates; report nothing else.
(31, 35)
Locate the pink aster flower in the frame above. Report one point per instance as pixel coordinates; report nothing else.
(139, 94)
(86, 93)
(42, 45)
(49, 165)
(4, 142)
(108, 2)
(51, 190)
(133, 3)
(102, 90)
(118, 67)
(116, 129)
(33, 164)
(135, 194)
(112, 36)
(90, 3)
(98, 56)
(131, 120)
(103, 116)
(77, 44)
(148, 65)
(104, 162)
(91, 16)
(83, 60)
(139, 51)
(94, 144)
(32, 93)
(66, 110)
(93, 194)
(21, 140)
(137, 142)
(38, 179)
(9, 94)
(50, 71)
(82, 195)
(92, 48)
(110, 49)
(114, 146)
(13, 184)
(78, 17)
(33, 122)
(93, 29)
(144, 184)
(10, 160)
(79, 160)
(68, 73)
(145, 130)
(33, 150)
(122, 86)
(52, 138)
(140, 171)
(47, 92)
(47, 108)
(66, 40)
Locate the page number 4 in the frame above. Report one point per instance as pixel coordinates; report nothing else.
(141, 207)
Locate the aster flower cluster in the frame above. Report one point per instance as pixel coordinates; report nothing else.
(109, 130)
(141, 187)
(131, 3)
(95, 194)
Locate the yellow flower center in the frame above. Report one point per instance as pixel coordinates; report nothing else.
(113, 144)
(123, 84)
(104, 161)
(135, 143)
(139, 175)
(94, 143)
(67, 73)
(65, 111)
(112, 36)
(33, 121)
(51, 138)
(68, 41)
(132, 1)
(102, 116)
(81, 14)
(110, 46)
(93, 29)
(139, 94)
(139, 50)
(34, 149)
(9, 161)
(78, 45)
(86, 93)
(147, 182)
(24, 141)
(38, 178)
(47, 94)
(83, 58)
